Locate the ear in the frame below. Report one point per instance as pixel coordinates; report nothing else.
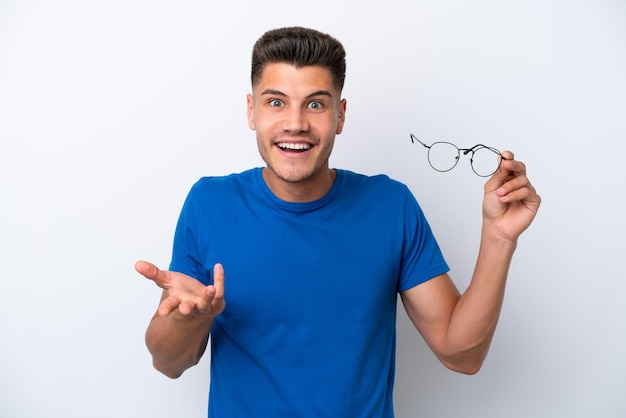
(341, 118)
(250, 103)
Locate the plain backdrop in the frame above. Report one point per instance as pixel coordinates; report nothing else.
(110, 111)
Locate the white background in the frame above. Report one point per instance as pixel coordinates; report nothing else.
(109, 111)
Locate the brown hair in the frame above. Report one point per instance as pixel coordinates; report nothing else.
(300, 47)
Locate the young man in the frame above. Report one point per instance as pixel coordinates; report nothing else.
(294, 268)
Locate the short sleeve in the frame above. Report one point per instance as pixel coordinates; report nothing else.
(422, 258)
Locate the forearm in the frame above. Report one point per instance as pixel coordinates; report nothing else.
(177, 341)
(475, 315)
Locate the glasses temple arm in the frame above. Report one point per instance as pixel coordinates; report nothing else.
(414, 138)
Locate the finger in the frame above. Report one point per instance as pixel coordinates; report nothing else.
(508, 155)
(510, 167)
(146, 269)
(506, 159)
(513, 174)
(168, 305)
(186, 307)
(151, 272)
(518, 188)
(516, 194)
(527, 194)
(502, 174)
(218, 281)
(512, 184)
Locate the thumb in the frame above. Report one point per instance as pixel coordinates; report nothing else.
(502, 174)
(504, 157)
(151, 272)
(146, 269)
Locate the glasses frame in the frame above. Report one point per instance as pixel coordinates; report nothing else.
(465, 151)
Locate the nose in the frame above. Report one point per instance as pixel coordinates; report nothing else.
(295, 120)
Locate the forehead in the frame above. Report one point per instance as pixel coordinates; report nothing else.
(288, 78)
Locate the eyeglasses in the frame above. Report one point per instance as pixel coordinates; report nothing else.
(444, 156)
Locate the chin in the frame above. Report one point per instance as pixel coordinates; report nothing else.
(292, 176)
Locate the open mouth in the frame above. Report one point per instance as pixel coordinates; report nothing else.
(294, 147)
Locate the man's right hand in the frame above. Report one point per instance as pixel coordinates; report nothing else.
(185, 294)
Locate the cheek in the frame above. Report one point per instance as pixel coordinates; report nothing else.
(260, 124)
(259, 119)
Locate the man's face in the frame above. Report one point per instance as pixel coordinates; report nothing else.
(296, 113)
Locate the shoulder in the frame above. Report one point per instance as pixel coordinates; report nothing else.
(230, 182)
(215, 190)
(380, 193)
(229, 179)
(379, 184)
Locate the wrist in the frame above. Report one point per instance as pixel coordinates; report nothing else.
(491, 234)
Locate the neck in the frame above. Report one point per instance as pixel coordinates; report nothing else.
(307, 190)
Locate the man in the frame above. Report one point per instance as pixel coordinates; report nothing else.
(310, 260)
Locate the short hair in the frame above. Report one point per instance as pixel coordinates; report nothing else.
(299, 47)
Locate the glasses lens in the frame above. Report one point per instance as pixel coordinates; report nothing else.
(443, 156)
(485, 161)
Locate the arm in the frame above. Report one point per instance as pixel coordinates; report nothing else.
(179, 331)
(459, 328)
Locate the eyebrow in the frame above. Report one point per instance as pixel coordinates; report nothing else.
(313, 94)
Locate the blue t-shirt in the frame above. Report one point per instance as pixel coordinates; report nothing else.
(311, 291)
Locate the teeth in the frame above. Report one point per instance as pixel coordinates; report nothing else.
(297, 146)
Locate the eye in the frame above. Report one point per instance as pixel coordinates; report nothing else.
(316, 105)
(276, 103)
